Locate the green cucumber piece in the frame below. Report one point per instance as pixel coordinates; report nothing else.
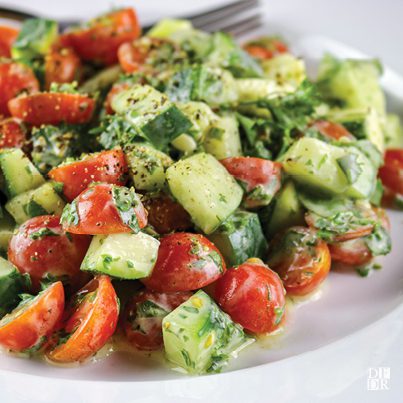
(124, 256)
(18, 172)
(314, 163)
(199, 337)
(239, 238)
(205, 190)
(285, 68)
(166, 27)
(35, 38)
(10, 286)
(223, 139)
(147, 166)
(7, 226)
(41, 201)
(152, 114)
(285, 211)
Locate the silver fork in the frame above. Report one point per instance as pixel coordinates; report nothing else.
(236, 17)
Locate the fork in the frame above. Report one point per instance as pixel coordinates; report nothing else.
(236, 17)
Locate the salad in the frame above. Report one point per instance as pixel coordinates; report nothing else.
(173, 189)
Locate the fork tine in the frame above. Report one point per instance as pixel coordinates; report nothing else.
(223, 12)
(236, 25)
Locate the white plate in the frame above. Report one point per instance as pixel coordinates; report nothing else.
(353, 325)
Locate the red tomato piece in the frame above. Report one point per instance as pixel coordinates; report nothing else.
(142, 320)
(33, 321)
(41, 248)
(107, 166)
(391, 173)
(12, 133)
(253, 295)
(15, 78)
(62, 65)
(7, 37)
(89, 321)
(266, 48)
(166, 215)
(261, 178)
(333, 131)
(101, 40)
(354, 252)
(51, 108)
(185, 262)
(106, 209)
(301, 259)
(116, 89)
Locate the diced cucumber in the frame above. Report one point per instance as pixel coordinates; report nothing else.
(285, 211)
(7, 226)
(223, 139)
(147, 166)
(254, 89)
(35, 38)
(353, 83)
(285, 68)
(124, 256)
(205, 189)
(102, 80)
(314, 163)
(226, 53)
(152, 114)
(10, 286)
(166, 27)
(18, 172)
(212, 85)
(240, 237)
(41, 201)
(363, 123)
(393, 131)
(199, 337)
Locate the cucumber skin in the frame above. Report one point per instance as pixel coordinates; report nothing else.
(205, 190)
(10, 287)
(239, 238)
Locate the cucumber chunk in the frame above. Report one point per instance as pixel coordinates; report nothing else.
(205, 190)
(124, 256)
(18, 172)
(239, 238)
(35, 38)
(41, 201)
(10, 286)
(285, 211)
(223, 139)
(152, 114)
(147, 166)
(7, 226)
(285, 68)
(166, 27)
(312, 162)
(199, 337)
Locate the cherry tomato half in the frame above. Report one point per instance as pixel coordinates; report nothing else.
(89, 321)
(333, 131)
(62, 65)
(142, 320)
(185, 262)
(101, 40)
(7, 37)
(301, 259)
(12, 133)
(51, 108)
(261, 178)
(166, 215)
(41, 248)
(34, 320)
(107, 166)
(391, 173)
(106, 209)
(266, 48)
(253, 295)
(15, 78)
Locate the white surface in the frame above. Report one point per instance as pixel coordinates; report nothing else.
(356, 324)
